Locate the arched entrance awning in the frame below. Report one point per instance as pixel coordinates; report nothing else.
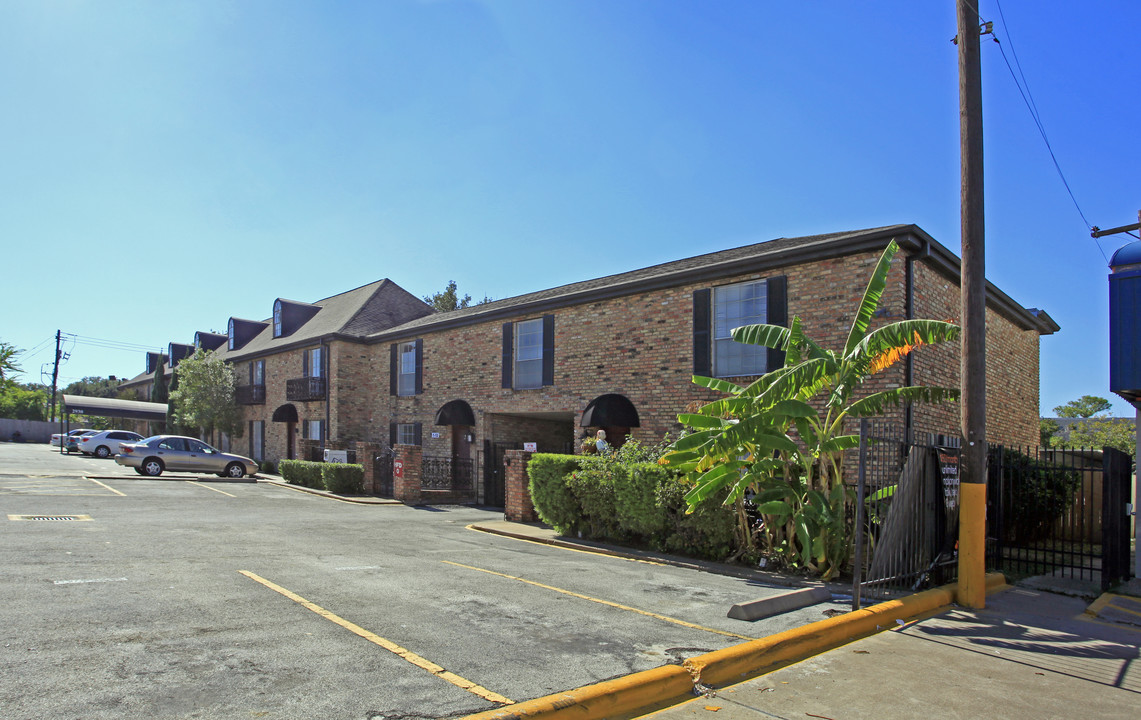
(457, 412)
(610, 410)
(285, 413)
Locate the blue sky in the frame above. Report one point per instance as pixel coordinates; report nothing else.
(169, 165)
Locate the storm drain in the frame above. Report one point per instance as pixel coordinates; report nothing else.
(50, 518)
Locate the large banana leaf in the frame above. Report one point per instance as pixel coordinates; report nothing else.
(871, 299)
(876, 403)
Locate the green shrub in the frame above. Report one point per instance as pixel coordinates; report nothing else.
(302, 472)
(636, 500)
(343, 478)
(267, 466)
(593, 485)
(554, 502)
(1038, 493)
(708, 532)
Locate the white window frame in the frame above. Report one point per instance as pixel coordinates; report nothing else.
(406, 368)
(313, 362)
(734, 306)
(406, 433)
(527, 373)
(277, 318)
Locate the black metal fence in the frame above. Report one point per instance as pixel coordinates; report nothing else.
(1059, 512)
(906, 513)
(1053, 511)
(382, 473)
(453, 475)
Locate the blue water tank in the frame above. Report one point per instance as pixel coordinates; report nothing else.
(1125, 323)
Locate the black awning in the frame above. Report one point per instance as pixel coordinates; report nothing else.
(610, 410)
(111, 407)
(457, 412)
(285, 413)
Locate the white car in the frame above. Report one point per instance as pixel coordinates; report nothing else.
(56, 437)
(105, 444)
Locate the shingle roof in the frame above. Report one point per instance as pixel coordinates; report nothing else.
(359, 312)
(671, 273)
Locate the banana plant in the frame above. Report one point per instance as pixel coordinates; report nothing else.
(780, 440)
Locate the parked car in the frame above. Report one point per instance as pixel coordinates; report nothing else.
(106, 443)
(56, 437)
(71, 444)
(174, 452)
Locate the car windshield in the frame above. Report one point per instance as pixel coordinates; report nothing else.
(148, 441)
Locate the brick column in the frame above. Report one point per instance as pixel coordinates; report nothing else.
(519, 507)
(366, 451)
(406, 473)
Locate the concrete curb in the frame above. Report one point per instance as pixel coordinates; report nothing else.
(690, 564)
(670, 684)
(329, 495)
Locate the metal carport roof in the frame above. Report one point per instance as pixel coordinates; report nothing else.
(110, 407)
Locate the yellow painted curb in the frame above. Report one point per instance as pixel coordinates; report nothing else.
(728, 665)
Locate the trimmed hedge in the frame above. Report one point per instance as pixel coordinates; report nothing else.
(554, 502)
(302, 472)
(343, 478)
(635, 502)
(340, 478)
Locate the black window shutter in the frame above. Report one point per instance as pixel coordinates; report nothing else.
(418, 432)
(393, 369)
(304, 363)
(702, 327)
(419, 366)
(391, 434)
(508, 352)
(251, 373)
(304, 429)
(548, 349)
(777, 293)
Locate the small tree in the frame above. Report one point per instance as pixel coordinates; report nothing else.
(1084, 407)
(448, 299)
(8, 366)
(205, 395)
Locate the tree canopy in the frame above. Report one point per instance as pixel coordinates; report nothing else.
(1084, 407)
(205, 395)
(448, 299)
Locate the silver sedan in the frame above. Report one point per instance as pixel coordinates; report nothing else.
(186, 454)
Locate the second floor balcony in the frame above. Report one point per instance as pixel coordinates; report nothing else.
(305, 389)
(250, 394)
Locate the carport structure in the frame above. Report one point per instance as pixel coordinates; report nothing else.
(109, 407)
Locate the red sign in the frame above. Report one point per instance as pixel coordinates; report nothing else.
(398, 468)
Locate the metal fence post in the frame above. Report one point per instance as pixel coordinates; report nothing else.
(861, 484)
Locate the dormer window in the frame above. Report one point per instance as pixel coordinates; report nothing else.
(277, 319)
(230, 334)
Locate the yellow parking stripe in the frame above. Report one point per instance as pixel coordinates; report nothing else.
(210, 488)
(386, 644)
(647, 613)
(109, 488)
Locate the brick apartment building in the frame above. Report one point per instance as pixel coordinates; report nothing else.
(376, 365)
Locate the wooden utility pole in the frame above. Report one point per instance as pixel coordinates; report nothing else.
(972, 490)
(55, 377)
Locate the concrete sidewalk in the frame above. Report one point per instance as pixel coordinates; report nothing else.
(1028, 654)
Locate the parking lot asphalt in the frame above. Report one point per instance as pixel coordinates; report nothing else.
(195, 598)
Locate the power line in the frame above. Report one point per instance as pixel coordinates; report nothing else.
(1028, 99)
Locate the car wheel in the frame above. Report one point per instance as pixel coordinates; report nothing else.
(139, 470)
(235, 470)
(103, 451)
(152, 467)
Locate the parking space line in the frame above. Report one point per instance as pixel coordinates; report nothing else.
(107, 487)
(619, 606)
(192, 482)
(388, 645)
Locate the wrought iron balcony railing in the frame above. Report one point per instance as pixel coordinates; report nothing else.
(250, 394)
(305, 389)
